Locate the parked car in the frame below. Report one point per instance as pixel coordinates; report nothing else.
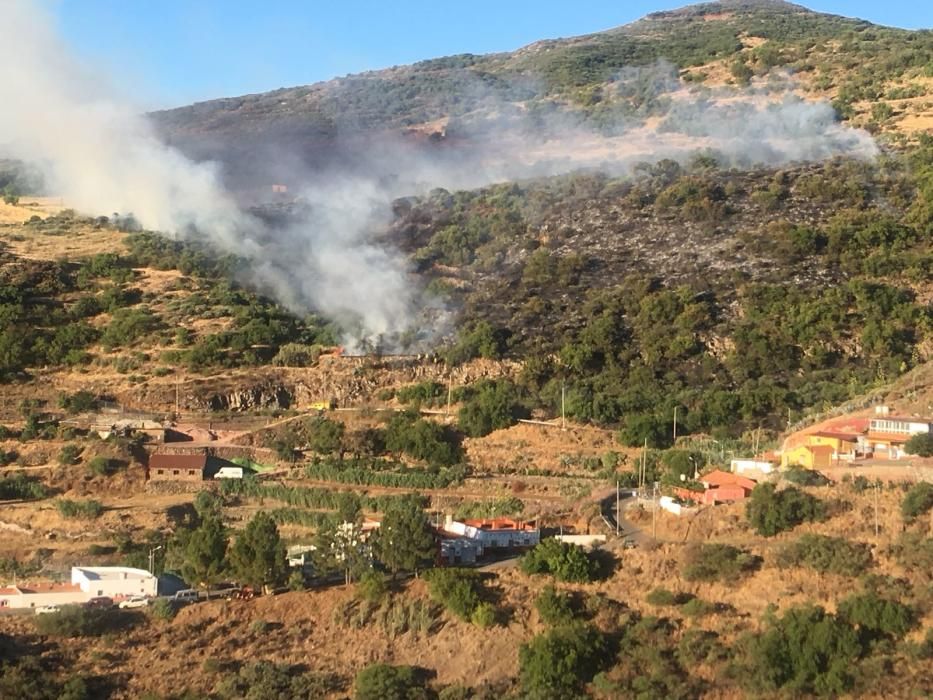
(101, 601)
(189, 595)
(47, 609)
(222, 590)
(136, 601)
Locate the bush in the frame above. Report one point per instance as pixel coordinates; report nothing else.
(718, 562)
(79, 402)
(88, 510)
(920, 444)
(458, 590)
(101, 466)
(805, 477)
(771, 511)
(372, 586)
(566, 562)
(697, 607)
(919, 500)
(162, 609)
(493, 405)
(385, 682)
(22, 487)
(828, 555)
(877, 617)
(554, 607)
(263, 679)
(556, 664)
(77, 621)
(806, 651)
(663, 597)
(69, 455)
(484, 615)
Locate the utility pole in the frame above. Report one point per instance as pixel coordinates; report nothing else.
(675, 425)
(876, 509)
(176, 397)
(152, 552)
(617, 507)
(563, 413)
(654, 512)
(450, 391)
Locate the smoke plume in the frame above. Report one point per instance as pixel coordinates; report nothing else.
(101, 155)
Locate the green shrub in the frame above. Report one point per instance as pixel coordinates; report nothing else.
(565, 562)
(920, 444)
(828, 555)
(79, 402)
(385, 682)
(877, 617)
(87, 509)
(263, 679)
(458, 590)
(162, 609)
(69, 455)
(718, 562)
(77, 621)
(484, 615)
(806, 651)
(372, 586)
(22, 487)
(805, 477)
(493, 405)
(919, 500)
(554, 607)
(662, 597)
(101, 466)
(697, 607)
(557, 663)
(771, 511)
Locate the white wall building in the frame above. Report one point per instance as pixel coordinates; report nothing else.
(36, 595)
(495, 533)
(114, 581)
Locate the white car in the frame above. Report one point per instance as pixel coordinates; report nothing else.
(137, 601)
(47, 609)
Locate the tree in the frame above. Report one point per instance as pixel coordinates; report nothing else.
(205, 552)
(325, 436)
(877, 617)
(771, 511)
(920, 444)
(342, 547)
(493, 406)
(404, 541)
(718, 562)
(564, 561)
(555, 665)
(10, 195)
(258, 555)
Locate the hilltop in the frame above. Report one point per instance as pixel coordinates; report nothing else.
(877, 77)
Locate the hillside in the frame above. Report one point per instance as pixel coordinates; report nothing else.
(876, 76)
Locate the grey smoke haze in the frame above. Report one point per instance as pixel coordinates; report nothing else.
(101, 155)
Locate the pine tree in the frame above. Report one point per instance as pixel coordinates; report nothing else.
(405, 541)
(205, 552)
(258, 555)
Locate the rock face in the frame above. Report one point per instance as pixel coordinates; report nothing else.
(251, 398)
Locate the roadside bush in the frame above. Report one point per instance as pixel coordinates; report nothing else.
(76, 621)
(69, 455)
(565, 562)
(554, 607)
(835, 555)
(162, 609)
(718, 562)
(557, 663)
(917, 501)
(87, 510)
(385, 682)
(771, 511)
(805, 477)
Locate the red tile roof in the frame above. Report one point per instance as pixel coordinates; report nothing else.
(173, 461)
(718, 478)
(41, 587)
(848, 437)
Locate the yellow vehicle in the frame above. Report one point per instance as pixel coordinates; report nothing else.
(328, 405)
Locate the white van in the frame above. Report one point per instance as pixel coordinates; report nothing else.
(229, 473)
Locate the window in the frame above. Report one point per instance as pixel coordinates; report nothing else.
(175, 472)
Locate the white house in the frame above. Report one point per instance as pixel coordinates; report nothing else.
(495, 533)
(114, 581)
(35, 595)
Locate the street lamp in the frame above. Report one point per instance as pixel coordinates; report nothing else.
(152, 552)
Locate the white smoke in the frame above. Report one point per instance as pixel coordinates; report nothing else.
(101, 155)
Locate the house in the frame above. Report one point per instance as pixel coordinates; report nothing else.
(808, 456)
(887, 435)
(114, 581)
(495, 533)
(178, 467)
(751, 464)
(459, 550)
(35, 595)
(152, 430)
(719, 487)
(845, 446)
(87, 582)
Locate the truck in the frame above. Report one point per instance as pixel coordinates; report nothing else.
(328, 405)
(229, 473)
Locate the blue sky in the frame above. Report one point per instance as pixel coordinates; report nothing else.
(170, 52)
